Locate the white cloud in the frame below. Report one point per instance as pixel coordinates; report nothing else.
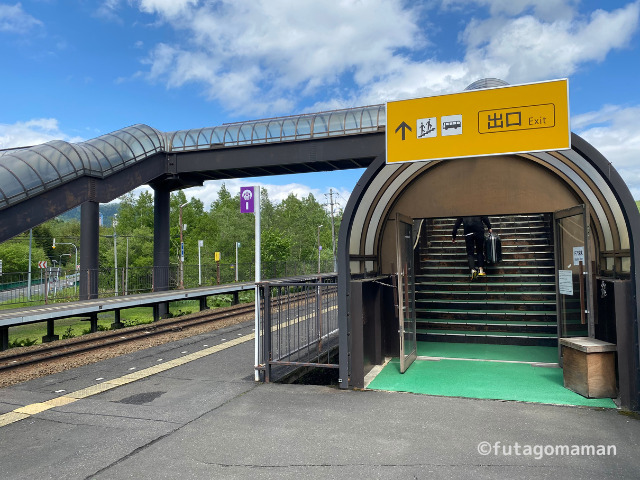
(32, 132)
(108, 10)
(526, 49)
(547, 9)
(613, 130)
(266, 57)
(252, 56)
(170, 8)
(14, 19)
(208, 193)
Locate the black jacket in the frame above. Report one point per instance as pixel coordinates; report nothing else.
(471, 225)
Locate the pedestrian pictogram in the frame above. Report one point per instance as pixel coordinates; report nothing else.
(426, 127)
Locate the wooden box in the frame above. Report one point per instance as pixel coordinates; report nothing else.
(589, 367)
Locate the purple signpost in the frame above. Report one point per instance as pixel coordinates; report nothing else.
(250, 203)
(247, 200)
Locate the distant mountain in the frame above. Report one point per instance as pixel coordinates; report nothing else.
(107, 211)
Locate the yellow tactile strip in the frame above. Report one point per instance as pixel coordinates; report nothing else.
(28, 410)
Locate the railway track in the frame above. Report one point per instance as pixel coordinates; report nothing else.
(22, 364)
(104, 340)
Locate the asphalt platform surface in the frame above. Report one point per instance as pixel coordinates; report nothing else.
(208, 419)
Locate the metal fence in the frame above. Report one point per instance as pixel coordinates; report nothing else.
(53, 285)
(299, 323)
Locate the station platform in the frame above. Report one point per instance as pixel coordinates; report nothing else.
(18, 316)
(191, 409)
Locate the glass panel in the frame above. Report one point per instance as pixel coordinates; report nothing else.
(369, 119)
(8, 184)
(123, 151)
(572, 291)
(132, 143)
(107, 155)
(382, 116)
(46, 170)
(191, 139)
(148, 137)
(259, 133)
(217, 136)
(288, 129)
(231, 135)
(303, 129)
(71, 160)
(626, 264)
(178, 140)
(352, 120)
(406, 294)
(92, 158)
(203, 137)
(244, 134)
(320, 125)
(336, 123)
(273, 131)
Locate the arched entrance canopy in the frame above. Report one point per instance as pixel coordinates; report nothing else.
(554, 180)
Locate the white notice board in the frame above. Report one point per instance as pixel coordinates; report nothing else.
(565, 282)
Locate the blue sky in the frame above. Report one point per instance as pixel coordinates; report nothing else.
(76, 69)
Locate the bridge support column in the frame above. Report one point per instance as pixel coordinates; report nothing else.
(93, 323)
(89, 238)
(203, 303)
(50, 336)
(236, 299)
(116, 320)
(161, 209)
(4, 338)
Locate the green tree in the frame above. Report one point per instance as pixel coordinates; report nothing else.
(15, 256)
(276, 246)
(232, 226)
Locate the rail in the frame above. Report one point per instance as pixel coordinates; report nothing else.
(299, 323)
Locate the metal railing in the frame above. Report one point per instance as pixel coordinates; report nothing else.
(55, 285)
(299, 323)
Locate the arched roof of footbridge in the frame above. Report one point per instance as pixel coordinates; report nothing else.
(42, 181)
(584, 171)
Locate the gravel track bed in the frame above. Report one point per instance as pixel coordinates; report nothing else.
(29, 372)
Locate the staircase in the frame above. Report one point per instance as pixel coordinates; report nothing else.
(514, 304)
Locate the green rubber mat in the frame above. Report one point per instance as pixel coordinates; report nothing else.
(481, 379)
(516, 353)
(487, 380)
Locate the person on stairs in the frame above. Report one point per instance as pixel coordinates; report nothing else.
(474, 240)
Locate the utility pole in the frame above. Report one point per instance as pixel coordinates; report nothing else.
(29, 275)
(319, 247)
(333, 232)
(115, 252)
(181, 249)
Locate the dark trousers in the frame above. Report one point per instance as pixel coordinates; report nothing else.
(475, 241)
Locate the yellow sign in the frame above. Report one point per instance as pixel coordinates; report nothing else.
(510, 119)
(216, 256)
